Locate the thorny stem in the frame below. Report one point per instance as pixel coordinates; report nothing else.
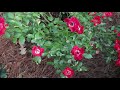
(50, 14)
(45, 17)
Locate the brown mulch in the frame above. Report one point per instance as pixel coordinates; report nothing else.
(98, 68)
(19, 66)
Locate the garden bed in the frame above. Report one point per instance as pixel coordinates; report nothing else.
(18, 66)
(22, 66)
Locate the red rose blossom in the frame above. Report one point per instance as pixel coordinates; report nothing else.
(118, 62)
(92, 13)
(80, 29)
(68, 72)
(96, 20)
(119, 55)
(118, 34)
(107, 14)
(115, 31)
(2, 26)
(117, 41)
(74, 25)
(77, 52)
(37, 51)
(117, 45)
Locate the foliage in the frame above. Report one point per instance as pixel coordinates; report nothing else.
(52, 34)
(3, 73)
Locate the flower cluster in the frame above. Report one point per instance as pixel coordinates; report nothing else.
(74, 25)
(76, 51)
(2, 26)
(97, 19)
(117, 47)
(117, 32)
(107, 14)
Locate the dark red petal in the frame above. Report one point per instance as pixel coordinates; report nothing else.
(74, 49)
(78, 58)
(118, 62)
(70, 70)
(118, 34)
(66, 20)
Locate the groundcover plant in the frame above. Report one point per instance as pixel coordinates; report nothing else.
(67, 39)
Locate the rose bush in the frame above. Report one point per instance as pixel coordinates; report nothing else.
(69, 41)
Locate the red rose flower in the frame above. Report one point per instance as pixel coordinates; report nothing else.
(80, 29)
(74, 25)
(92, 13)
(96, 20)
(37, 51)
(2, 26)
(118, 34)
(117, 41)
(77, 52)
(117, 47)
(118, 62)
(68, 72)
(115, 31)
(107, 14)
(119, 54)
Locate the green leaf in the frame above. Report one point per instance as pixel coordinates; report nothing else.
(37, 36)
(40, 42)
(69, 56)
(108, 60)
(19, 24)
(22, 40)
(61, 62)
(48, 43)
(58, 71)
(7, 35)
(56, 20)
(113, 27)
(37, 60)
(69, 61)
(3, 73)
(50, 63)
(17, 35)
(45, 53)
(62, 76)
(110, 19)
(56, 62)
(33, 41)
(50, 18)
(88, 56)
(84, 68)
(42, 25)
(46, 31)
(79, 66)
(14, 40)
(10, 15)
(18, 18)
(17, 30)
(30, 36)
